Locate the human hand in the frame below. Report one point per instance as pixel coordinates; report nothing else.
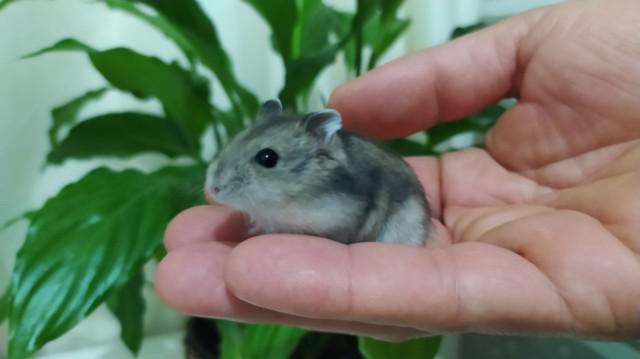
(537, 233)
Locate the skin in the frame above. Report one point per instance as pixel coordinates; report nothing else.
(538, 233)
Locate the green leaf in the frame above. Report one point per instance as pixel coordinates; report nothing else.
(320, 35)
(405, 147)
(11, 221)
(201, 32)
(4, 305)
(184, 96)
(302, 72)
(478, 123)
(67, 114)
(308, 35)
(386, 39)
(272, 341)
(635, 345)
(128, 306)
(87, 241)
(375, 26)
(232, 335)
(62, 45)
(120, 135)
(365, 9)
(384, 30)
(186, 24)
(4, 3)
(463, 30)
(282, 17)
(158, 21)
(318, 23)
(423, 348)
(258, 341)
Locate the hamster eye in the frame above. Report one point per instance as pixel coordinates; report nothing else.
(267, 157)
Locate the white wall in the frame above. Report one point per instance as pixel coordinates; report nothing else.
(30, 88)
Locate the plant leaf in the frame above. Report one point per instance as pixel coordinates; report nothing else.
(422, 348)
(282, 17)
(258, 341)
(318, 23)
(158, 21)
(4, 3)
(4, 305)
(201, 32)
(377, 25)
(321, 34)
(11, 221)
(383, 30)
(480, 123)
(365, 9)
(120, 135)
(463, 30)
(184, 96)
(62, 45)
(406, 147)
(128, 306)
(635, 345)
(232, 335)
(267, 341)
(313, 33)
(87, 241)
(186, 24)
(302, 72)
(67, 114)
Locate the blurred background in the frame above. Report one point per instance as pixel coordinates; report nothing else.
(30, 88)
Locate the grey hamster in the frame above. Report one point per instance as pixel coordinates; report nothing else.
(307, 175)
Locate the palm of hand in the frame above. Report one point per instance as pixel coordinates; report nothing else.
(537, 233)
(568, 209)
(550, 259)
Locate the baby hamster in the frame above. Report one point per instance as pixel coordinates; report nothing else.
(307, 175)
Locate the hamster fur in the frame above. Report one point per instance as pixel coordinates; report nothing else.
(307, 175)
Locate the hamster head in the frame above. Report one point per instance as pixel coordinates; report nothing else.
(276, 163)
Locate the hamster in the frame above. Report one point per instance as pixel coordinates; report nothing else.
(308, 175)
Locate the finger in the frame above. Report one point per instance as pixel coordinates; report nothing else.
(562, 114)
(472, 178)
(443, 83)
(203, 224)
(190, 279)
(467, 286)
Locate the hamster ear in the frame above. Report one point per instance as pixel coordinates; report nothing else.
(269, 108)
(323, 125)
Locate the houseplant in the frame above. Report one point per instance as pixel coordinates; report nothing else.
(88, 244)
